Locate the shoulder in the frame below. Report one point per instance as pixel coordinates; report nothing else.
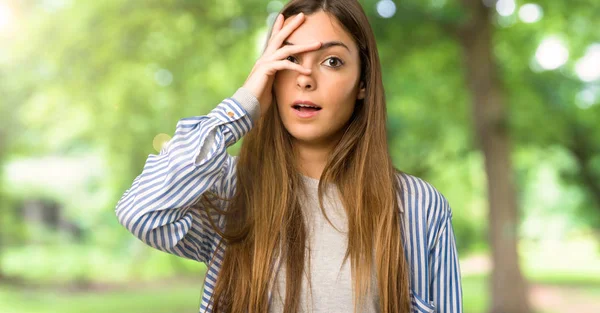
(416, 192)
(425, 209)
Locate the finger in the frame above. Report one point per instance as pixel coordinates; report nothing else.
(276, 26)
(286, 51)
(280, 65)
(284, 33)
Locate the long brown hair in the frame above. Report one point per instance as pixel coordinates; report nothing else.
(263, 221)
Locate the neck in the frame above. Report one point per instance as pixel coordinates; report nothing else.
(312, 158)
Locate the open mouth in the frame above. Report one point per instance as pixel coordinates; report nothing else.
(306, 108)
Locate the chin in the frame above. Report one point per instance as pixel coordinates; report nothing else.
(303, 133)
(309, 137)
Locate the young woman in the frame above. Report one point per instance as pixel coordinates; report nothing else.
(311, 216)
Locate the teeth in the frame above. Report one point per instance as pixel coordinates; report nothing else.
(307, 106)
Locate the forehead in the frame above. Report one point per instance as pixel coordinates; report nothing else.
(320, 27)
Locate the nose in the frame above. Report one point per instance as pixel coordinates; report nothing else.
(305, 82)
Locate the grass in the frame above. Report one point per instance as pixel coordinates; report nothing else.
(164, 299)
(475, 296)
(184, 297)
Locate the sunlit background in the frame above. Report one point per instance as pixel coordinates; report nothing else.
(88, 89)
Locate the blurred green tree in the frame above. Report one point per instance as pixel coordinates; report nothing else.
(465, 93)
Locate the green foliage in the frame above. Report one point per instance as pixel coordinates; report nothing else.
(159, 299)
(106, 78)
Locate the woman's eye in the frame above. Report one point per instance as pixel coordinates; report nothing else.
(334, 62)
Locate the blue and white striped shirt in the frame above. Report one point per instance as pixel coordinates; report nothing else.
(156, 208)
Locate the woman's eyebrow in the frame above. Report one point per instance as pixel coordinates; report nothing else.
(324, 45)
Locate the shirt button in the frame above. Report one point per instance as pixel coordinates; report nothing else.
(230, 114)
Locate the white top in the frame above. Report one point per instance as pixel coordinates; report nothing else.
(332, 284)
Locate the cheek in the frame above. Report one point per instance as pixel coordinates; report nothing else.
(282, 78)
(278, 89)
(343, 90)
(276, 82)
(280, 83)
(344, 95)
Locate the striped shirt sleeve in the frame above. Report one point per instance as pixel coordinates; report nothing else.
(430, 248)
(446, 286)
(156, 208)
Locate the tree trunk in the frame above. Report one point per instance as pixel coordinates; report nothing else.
(508, 287)
(583, 150)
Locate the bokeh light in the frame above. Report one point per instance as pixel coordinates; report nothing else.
(163, 77)
(271, 18)
(6, 18)
(551, 54)
(506, 7)
(386, 8)
(588, 67)
(239, 24)
(530, 13)
(588, 97)
(274, 6)
(159, 141)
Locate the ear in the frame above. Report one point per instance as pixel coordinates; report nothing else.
(361, 91)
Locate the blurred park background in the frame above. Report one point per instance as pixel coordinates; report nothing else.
(496, 103)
